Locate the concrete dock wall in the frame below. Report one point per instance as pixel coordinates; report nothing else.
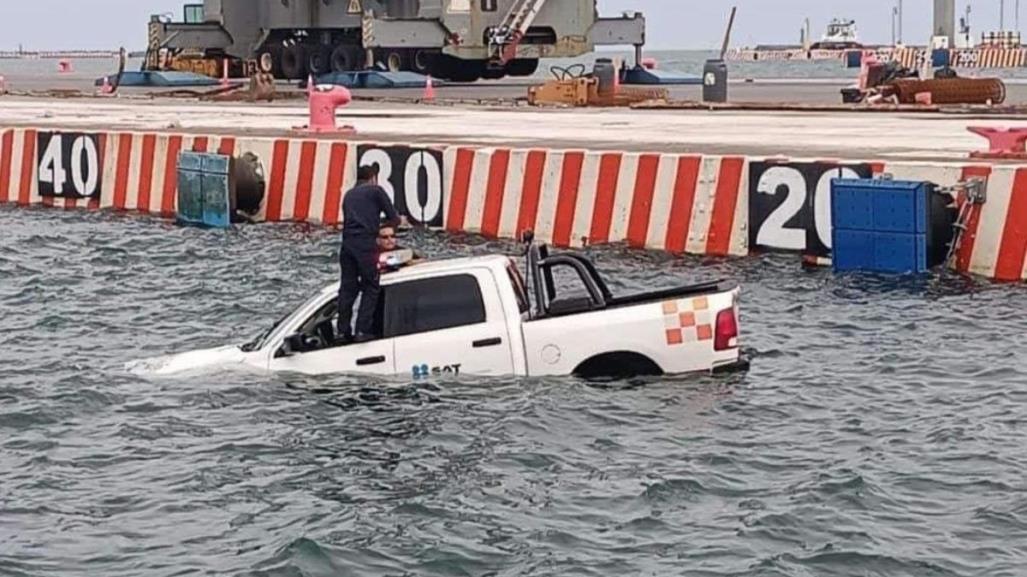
(711, 205)
(691, 203)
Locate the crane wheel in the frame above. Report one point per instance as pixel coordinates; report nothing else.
(320, 60)
(423, 61)
(346, 59)
(522, 66)
(396, 61)
(457, 69)
(294, 62)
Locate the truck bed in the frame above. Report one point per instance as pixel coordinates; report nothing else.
(578, 305)
(711, 287)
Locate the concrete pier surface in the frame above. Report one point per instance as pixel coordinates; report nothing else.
(790, 90)
(795, 134)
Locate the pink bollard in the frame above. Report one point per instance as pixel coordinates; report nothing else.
(323, 104)
(1002, 143)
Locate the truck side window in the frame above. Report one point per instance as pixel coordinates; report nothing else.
(433, 304)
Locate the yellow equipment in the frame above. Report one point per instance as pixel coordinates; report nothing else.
(568, 89)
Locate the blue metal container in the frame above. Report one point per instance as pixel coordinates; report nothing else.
(204, 189)
(882, 225)
(941, 57)
(853, 59)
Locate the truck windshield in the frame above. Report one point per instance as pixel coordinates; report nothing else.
(257, 342)
(261, 339)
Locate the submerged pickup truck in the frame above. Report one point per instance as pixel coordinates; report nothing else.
(479, 316)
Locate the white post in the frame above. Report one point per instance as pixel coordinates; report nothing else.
(894, 13)
(900, 21)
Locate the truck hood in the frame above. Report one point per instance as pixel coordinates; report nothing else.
(204, 360)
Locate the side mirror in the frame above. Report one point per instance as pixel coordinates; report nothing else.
(291, 345)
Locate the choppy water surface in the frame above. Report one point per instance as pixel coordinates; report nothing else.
(880, 430)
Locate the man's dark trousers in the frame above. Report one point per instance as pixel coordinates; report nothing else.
(358, 261)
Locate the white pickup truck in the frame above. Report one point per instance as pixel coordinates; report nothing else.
(477, 316)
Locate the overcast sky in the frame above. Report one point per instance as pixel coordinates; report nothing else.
(672, 23)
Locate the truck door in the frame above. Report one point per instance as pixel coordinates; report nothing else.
(373, 358)
(319, 356)
(449, 325)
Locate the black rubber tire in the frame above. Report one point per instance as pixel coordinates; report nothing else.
(276, 60)
(522, 67)
(493, 73)
(347, 59)
(294, 62)
(457, 69)
(396, 60)
(423, 61)
(319, 60)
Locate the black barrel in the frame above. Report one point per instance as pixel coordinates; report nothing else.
(714, 86)
(605, 72)
(249, 186)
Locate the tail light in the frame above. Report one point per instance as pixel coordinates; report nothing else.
(726, 336)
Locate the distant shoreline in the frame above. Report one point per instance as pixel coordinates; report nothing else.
(57, 54)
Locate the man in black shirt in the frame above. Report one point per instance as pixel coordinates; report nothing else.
(362, 208)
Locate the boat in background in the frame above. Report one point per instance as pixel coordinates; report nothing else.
(840, 35)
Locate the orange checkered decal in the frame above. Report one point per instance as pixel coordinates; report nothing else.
(687, 321)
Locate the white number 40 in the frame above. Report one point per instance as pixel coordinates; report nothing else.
(84, 159)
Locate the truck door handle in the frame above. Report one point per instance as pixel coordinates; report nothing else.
(488, 343)
(370, 361)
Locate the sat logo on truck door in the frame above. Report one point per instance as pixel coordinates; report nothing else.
(424, 371)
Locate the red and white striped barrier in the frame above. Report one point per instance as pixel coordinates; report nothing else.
(135, 171)
(680, 203)
(779, 55)
(990, 58)
(687, 203)
(139, 173)
(305, 178)
(995, 243)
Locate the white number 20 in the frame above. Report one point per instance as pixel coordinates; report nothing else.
(773, 232)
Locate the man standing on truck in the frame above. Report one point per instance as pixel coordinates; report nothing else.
(362, 208)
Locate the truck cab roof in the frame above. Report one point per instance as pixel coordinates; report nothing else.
(430, 268)
(438, 267)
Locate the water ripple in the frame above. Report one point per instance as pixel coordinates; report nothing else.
(880, 430)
